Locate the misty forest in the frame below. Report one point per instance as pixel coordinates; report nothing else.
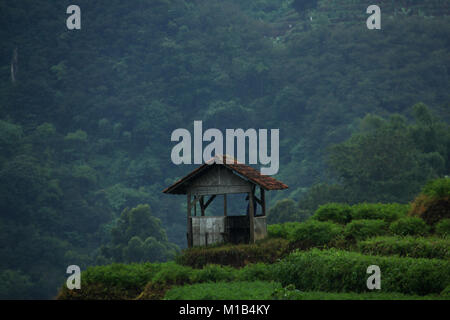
(86, 118)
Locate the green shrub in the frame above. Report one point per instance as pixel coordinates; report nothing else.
(177, 275)
(245, 290)
(433, 203)
(293, 294)
(307, 234)
(407, 247)
(284, 230)
(276, 231)
(114, 281)
(315, 233)
(363, 229)
(446, 292)
(443, 228)
(410, 226)
(336, 212)
(268, 251)
(174, 274)
(438, 188)
(214, 273)
(341, 271)
(286, 210)
(257, 271)
(386, 212)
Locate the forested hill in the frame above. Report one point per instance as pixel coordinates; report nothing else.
(86, 115)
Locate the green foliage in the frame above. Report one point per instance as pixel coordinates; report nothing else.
(320, 194)
(284, 211)
(138, 237)
(363, 229)
(340, 271)
(446, 292)
(406, 247)
(267, 251)
(115, 281)
(438, 188)
(14, 285)
(343, 213)
(243, 290)
(315, 233)
(75, 151)
(410, 226)
(214, 273)
(336, 212)
(433, 204)
(173, 274)
(387, 212)
(307, 234)
(256, 271)
(77, 136)
(431, 210)
(378, 161)
(291, 293)
(443, 228)
(10, 135)
(120, 197)
(303, 5)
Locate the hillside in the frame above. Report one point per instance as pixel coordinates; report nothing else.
(85, 122)
(327, 257)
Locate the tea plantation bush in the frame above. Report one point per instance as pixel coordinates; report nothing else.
(335, 212)
(283, 230)
(446, 292)
(410, 226)
(341, 271)
(267, 251)
(257, 271)
(245, 290)
(433, 204)
(315, 233)
(443, 228)
(407, 247)
(386, 212)
(307, 234)
(363, 229)
(177, 275)
(115, 281)
(293, 294)
(344, 213)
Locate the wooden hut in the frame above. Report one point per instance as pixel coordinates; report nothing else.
(223, 175)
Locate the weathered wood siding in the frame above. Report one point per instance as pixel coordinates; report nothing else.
(233, 229)
(207, 230)
(260, 228)
(218, 180)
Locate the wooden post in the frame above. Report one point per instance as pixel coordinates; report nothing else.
(189, 221)
(263, 201)
(252, 217)
(225, 205)
(202, 205)
(195, 205)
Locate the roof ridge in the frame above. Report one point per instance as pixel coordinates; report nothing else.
(246, 171)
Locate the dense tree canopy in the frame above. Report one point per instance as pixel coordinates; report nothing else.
(85, 123)
(137, 237)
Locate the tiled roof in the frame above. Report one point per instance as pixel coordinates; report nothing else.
(249, 173)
